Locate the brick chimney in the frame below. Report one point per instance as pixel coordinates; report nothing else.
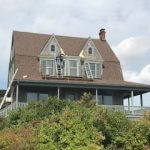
(102, 35)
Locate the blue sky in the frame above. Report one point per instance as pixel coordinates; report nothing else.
(127, 27)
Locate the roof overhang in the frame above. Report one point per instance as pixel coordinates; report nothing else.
(88, 85)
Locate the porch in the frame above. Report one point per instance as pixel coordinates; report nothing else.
(107, 96)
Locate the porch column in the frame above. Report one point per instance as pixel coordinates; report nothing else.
(17, 92)
(128, 104)
(141, 100)
(12, 93)
(58, 92)
(96, 97)
(132, 103)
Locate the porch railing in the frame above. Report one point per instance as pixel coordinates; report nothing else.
(5, 111)
(128, 110)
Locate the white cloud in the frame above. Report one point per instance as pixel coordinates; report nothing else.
(142, 77)
(133, 48)
(80, 18)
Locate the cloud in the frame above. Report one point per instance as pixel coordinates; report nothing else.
(133, 52)
(81, 18)
(142, 77)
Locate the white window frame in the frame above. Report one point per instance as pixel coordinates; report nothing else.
(100, 69)
(53, 68)
(54, 48)
(73, 67)
(49, 47)
(90, 48)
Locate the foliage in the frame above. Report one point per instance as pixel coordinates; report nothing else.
(72, 129)
(62, 125)
(36, 111)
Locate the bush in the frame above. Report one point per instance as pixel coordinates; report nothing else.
(59, 124)
(109, 123)
(71, 129)
(35, 111)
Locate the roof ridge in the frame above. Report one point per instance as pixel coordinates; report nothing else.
(67, 36)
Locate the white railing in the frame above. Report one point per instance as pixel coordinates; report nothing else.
(5, 111)
(128, 110)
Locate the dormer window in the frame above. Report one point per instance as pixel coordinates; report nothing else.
(95, 69)
(47, 67)
(90, 50)
(52, 48)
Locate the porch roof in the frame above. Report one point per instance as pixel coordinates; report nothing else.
(101, 84)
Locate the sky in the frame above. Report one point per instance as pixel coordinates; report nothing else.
(127, 25)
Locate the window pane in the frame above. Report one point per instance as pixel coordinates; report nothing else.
(108, 100)
(49, 63)
(47, 67)
(92, 66)
(52, 48)
(32, 97)
(43, 63)
(43, 70)
(90, 50)
(73, 72)
(49, 71)
(73, 63)
(70, 96)
(43, 96)
(98, 70)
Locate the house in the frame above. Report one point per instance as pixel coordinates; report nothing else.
(63, 66)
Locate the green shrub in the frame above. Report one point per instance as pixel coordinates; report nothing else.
(36, 111)
(59, 124)
(109, 123)
(71, 129)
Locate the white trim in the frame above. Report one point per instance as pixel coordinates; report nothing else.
(96, 97)
(132, 102)
(17, 95)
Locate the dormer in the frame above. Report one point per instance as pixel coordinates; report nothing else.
(92, 60)
(48, 56)
(52, 48)
(90, 52)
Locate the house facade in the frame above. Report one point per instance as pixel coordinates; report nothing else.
(66, 67)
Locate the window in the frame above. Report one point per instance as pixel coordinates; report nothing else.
(90, 50)
(100, 101)
(43, 96)
(53, 48)
(108, 100)
(71, 96)
(95, 69)
(32, 97)
(72, 67)
(47, 67)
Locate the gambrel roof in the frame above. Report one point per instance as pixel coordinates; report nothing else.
(28, 46)
(32, 44)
